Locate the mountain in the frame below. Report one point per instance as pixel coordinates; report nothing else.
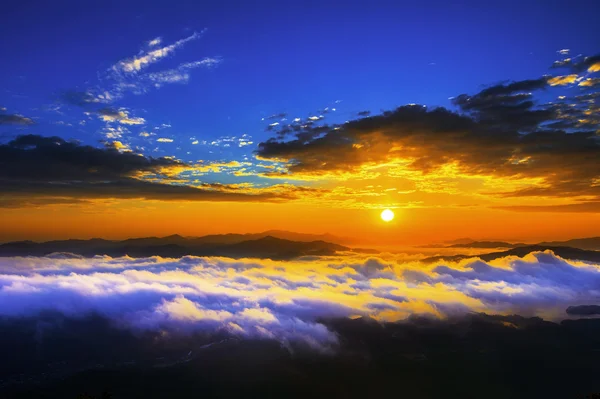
(459, 241)
(282, 234)
(563, 252)
(591, 243)
(486, 244)
(176, 246)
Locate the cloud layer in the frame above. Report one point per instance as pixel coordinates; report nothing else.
(286, 300)
(44, 170)
(507, 131)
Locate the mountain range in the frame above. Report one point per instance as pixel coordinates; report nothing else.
(273, 244)
(174, 246)
(590, 243)
(562, 251)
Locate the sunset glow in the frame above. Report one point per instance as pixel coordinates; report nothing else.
(299, 199)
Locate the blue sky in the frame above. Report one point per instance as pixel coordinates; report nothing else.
(253, 60)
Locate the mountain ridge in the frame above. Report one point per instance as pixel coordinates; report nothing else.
(176, 246)
(564, 252)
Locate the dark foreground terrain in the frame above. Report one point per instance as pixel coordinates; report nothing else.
(475, 356)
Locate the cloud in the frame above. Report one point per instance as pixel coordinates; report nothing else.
(37, 169)
(275, 116)
(585, 207)
(589, 82)
(80, 98)
(563, 80)
(285, 301)
(15, 119)
(587, 64)
(119, 146)
(137, 63)
(164, 140)
(584, 310)
(120, 116)
(128, 75)
(562, 63)
(181, 73)
(155, 42)
(539, 150)
(506, 106)
(245, 140)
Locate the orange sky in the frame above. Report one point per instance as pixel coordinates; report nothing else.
(135, 218)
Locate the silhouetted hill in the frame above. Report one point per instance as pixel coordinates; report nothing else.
(464, 240)
(590, 243)
(563, 252)
(176, 246)
(284, 235)
(486, 244)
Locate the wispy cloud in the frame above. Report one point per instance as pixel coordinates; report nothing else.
(181, 73)
(137, 63)
(128, 75)
(155, 42)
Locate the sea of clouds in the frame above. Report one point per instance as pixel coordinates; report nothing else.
(286, 300)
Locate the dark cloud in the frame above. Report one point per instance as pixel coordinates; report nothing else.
(15, 119)
(363, 113)
(506, 106)
(586, 63)
(79, 98)
(513, 87)
(37, 170)
(37, 158)
(584, 310)
(110, 112)
(500, 131)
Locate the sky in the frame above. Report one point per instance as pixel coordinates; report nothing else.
(122, 119)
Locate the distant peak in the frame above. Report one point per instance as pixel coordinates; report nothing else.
(173, 236)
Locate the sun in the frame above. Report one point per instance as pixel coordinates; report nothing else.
(387, 215)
